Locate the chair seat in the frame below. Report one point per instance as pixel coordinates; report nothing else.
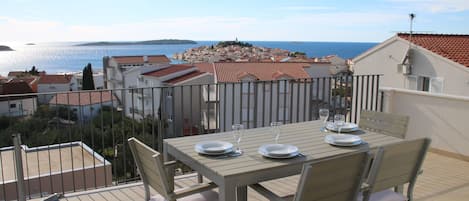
(204, 196)
(386, 195)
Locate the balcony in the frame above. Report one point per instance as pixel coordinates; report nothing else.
(103, 136)
(444, 179)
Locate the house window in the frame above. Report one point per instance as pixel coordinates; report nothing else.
(283, 86)
(248, 87)
(13, 105)
(283, 114)
(423, 83)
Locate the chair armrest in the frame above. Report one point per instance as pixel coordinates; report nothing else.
(170, 164)
(365, 187)
(266, 192)
(420, 172)
(53, 197)
(194, 189)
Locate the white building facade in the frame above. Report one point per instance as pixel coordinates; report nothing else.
(431, 62)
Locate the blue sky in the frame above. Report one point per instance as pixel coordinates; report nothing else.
(261, 20)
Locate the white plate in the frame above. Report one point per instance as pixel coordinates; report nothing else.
(214, 147)
(348, 127)
(213, 154)
(278, 150)
(343, 139)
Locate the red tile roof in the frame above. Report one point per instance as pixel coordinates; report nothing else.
(15, 88)
(204, 67)
(184, 77)
(228, 72)
(28, 80)
(169, 70)
(82, 98)
(55, 79)
(139, 59)
(453, 47)
(22, 73)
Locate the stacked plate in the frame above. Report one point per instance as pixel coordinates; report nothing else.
(214, 147)
(348, 127)
(343, 140)
(278, 150)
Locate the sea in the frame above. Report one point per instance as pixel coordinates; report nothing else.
(63, 57)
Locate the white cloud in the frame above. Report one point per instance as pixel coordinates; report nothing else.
(300, 27)
(437, 6)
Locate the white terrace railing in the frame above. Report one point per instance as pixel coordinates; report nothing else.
(443, 118)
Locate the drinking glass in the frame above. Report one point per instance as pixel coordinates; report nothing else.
(237, 135)
(339, 121)
(323, 116)
(276, 130)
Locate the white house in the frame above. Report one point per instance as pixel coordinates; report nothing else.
(437, 63)
(55, 83)
(85, 104)
(114, 68)
(257, 93)
(16, 105)
(146, 100)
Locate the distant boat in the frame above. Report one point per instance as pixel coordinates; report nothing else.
(30, 44)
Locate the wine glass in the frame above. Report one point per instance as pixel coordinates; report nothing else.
(237, 135)
(339, 121)
(323, 116)
(276, 130)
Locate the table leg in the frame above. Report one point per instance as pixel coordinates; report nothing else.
(227, 192)
(242, 193)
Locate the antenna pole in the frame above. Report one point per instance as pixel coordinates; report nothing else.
(411, 16)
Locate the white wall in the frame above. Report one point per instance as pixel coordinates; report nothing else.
(386, 57)
(443, 118)
(24, 107)
(45, 88)
(272, 103)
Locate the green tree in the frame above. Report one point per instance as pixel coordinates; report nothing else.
(88, 82)
(33, 71)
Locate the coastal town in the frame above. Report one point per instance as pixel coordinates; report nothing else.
(236, 51)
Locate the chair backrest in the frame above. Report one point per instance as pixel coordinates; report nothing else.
(337, 179)
(386, 123)
(151, 167)
(397, 164)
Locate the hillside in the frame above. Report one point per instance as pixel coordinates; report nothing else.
(5, 48)
(148, 42)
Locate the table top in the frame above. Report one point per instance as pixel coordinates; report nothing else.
(306, 136)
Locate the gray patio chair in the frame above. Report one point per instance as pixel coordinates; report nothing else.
(153, 172)
(394, 165)
(386, 123)
(337, 179)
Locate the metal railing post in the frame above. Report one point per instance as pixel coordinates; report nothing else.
(19, 167)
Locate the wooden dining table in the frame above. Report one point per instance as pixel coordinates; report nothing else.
(234, 174)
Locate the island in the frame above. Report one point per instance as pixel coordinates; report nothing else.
(148, 42)
(5, 48)
(30, 44)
